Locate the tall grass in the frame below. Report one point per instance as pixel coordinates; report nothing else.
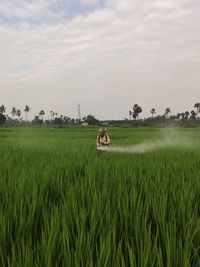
(64, 204)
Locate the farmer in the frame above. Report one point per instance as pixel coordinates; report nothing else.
(103, 139)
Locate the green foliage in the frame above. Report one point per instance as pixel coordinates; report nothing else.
(2, 119)
(64, 204)
(91, 120)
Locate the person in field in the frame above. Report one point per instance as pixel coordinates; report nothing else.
(103, 139)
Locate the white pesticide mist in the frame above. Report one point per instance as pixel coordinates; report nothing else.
(168, 138)
(142, 147)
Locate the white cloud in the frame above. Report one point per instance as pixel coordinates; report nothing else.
(123, 54)
(28, 12)
(23, 8)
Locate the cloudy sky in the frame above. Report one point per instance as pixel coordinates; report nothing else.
(104, 54)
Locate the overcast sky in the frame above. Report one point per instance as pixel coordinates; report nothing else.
(104, 54)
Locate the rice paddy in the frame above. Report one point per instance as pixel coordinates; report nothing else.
(62, 203)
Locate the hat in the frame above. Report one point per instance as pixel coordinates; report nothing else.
(102, 130)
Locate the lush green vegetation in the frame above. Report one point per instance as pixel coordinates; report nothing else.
(64, 204)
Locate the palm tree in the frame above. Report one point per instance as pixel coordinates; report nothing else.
(167, 111)
(2, 109)
(42, 113)
(136, 111)
(14, 112)
(27, 110)
(153, 111)
(197, 106)
(18, 113)
(135, 107)
(193, 114)
(139, 110)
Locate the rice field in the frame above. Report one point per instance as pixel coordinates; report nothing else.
(62, 203)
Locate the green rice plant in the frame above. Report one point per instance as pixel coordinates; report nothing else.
(62, 203)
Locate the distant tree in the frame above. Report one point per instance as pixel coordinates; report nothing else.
(183, 115)
(27, 110)
(41, 114)
(167, 111)
(77, 121)
(58, 121)
(135, 106)
(178, 116)
(153, 111)
(197, 106)
(139, 110)
(18, 113)
(172, 117)
(136, 111)
(187, 114)
(193, 115)
(14, 112)
(61, 120)
(2, 119)
(67, 120)
(135, 115)
(2, 109)
(37, 120)
(90, 119)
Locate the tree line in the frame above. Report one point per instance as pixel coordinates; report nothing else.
(134, 114)
(15, 117)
